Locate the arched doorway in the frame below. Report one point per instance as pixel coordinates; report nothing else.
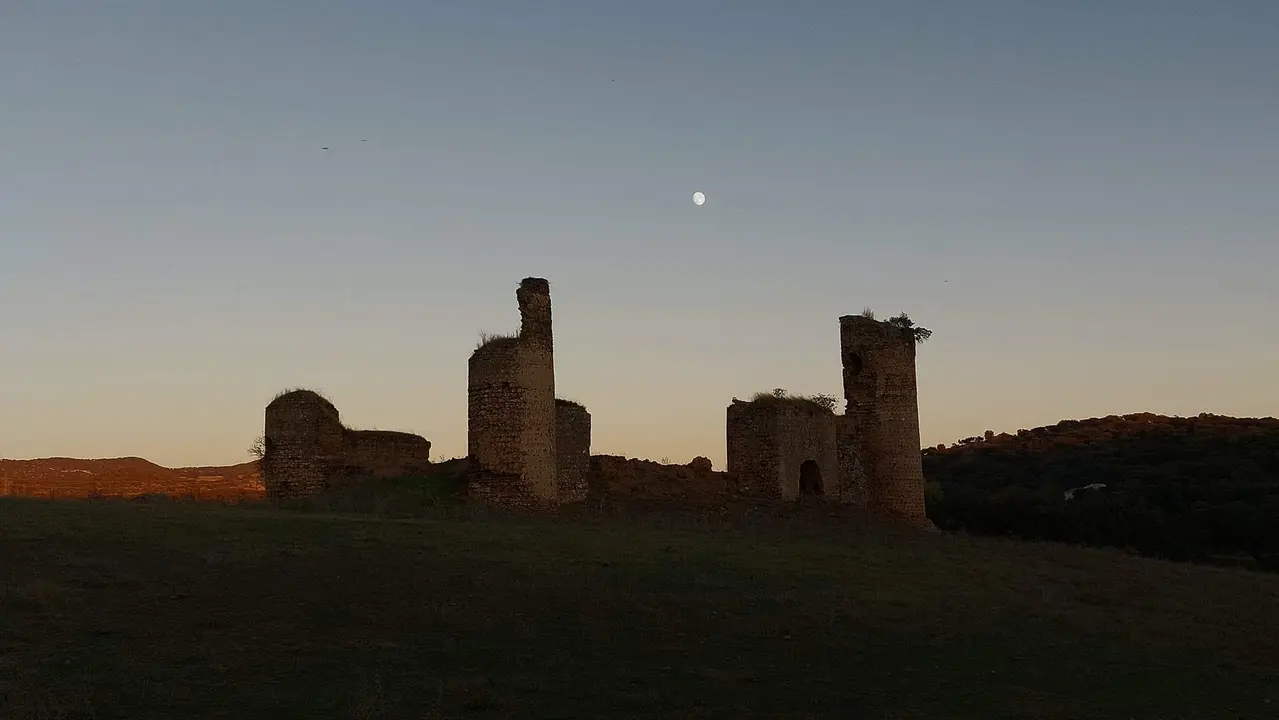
(810, 478)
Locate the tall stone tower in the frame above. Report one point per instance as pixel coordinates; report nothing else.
(880, 459)
(511, 407)
(537, 382)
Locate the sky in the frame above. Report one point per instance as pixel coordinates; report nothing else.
(1080, 199)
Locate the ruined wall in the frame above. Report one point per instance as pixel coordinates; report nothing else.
(751, 445)
(848, 449)
(769, 440)
(309, 451)
(384, 454)
(511, 416)
(572, 450)
(881, 430)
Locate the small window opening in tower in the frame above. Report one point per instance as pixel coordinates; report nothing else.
(853, 363)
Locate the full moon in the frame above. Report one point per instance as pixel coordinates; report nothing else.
(699, 198)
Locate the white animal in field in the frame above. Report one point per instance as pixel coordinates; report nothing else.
(1070, 494)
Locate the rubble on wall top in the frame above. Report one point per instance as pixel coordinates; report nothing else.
(536, 284)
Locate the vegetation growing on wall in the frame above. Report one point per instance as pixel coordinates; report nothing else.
(495, 340)
(902, 322)
(813, 403)
(906, 325)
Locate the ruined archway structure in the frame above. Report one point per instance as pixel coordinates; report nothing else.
(869, 456)
(526, 448)
(770, 439)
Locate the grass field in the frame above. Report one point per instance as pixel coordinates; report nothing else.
(116, 609)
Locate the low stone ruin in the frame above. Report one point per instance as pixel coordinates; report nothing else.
(309, 451)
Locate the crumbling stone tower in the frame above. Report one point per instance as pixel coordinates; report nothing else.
(879, 454)
(303, 441)
(512, 417)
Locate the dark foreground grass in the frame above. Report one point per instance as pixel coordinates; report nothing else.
(168, 610)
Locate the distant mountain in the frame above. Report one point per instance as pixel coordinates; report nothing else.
(1202, 488)
(126, 477)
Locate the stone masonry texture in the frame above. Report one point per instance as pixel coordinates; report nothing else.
(881, 459)
(308, 450)
(384, 453)
(513, 424)
(537, 381)
(769, 440)
(495, 412)
(573, 450)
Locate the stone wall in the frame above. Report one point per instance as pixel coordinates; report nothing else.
(880, 458)
(852, 474)
(511, 415)
(573, 450)
(385, 454)
(308, 450)
(769, 440)
(751, 446)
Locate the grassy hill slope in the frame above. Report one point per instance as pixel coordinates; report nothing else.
(161, 610)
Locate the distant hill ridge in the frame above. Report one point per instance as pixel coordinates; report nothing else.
(63, 477)
(1111, 427)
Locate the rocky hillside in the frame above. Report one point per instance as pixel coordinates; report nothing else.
(126, 477)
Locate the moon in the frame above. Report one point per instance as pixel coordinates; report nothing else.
(699, 198)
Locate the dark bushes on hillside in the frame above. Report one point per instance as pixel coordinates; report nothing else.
(1202, 489)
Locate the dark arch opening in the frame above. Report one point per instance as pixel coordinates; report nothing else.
(810, 478)
(852, 363)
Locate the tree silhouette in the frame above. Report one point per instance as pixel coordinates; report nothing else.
(905, 324)
(258, 447)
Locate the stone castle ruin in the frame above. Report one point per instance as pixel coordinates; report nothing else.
(525, 447)
(869, 456)
(783, 447)
(307, 449)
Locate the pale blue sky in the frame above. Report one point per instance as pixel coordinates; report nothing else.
(1079, 198)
